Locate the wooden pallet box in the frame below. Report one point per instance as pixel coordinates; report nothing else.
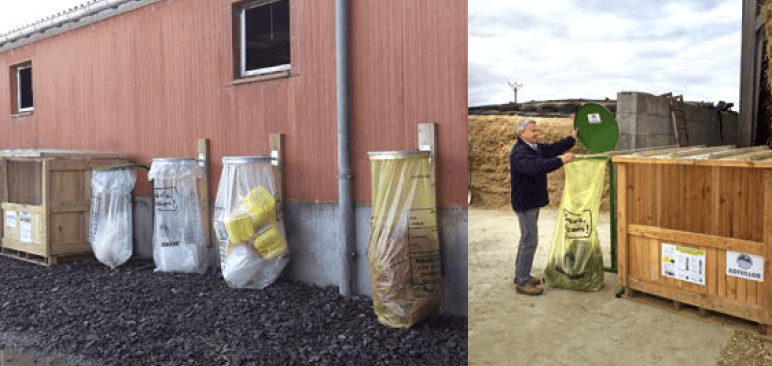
(687, 221)
(46, 202)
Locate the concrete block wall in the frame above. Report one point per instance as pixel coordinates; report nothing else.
(313, 234)
(644, 121)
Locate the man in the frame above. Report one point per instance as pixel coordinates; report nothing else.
(529, 163)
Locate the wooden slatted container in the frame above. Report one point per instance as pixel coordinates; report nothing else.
(687, 214)
(46, 199)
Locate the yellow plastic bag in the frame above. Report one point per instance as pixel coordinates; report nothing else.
(404, 249)
(269, 242)
(261, 205)
(575, 260)
(240, 228)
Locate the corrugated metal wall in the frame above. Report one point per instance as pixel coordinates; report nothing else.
(152, 81)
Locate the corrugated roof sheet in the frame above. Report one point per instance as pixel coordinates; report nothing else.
(87, 13)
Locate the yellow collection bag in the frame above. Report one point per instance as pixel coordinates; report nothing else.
(575, 260)
(404, 249)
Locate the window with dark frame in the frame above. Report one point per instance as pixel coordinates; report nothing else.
(265, 37)
(22, 88)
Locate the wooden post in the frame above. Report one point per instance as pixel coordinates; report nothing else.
(767, 244)
(277, 162)
(3, 193)
(427, 141)
(622, 222)
(203, 189)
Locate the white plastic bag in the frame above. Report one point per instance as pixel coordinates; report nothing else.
(246, 226)
(110, 222)
(178, 235)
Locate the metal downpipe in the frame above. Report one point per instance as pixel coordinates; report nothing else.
(345, 189)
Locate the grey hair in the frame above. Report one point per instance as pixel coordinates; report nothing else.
(521, 126)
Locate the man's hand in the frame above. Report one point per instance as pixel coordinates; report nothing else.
(573, 134)
(567, 157)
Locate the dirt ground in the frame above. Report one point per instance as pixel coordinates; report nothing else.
(564, 327)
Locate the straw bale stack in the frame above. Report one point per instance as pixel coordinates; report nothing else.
(490, 142)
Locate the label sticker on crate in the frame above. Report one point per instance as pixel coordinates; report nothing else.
(745, 265)
(683, 263)
(25, 227)
(10, 219)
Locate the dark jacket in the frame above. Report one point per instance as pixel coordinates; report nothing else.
(529, 170)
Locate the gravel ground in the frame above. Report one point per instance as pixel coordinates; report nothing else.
(746, 349)
(83, 313)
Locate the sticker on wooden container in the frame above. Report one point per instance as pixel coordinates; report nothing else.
(683, 263)
(10, 219)
(25, 227)
(745, 265)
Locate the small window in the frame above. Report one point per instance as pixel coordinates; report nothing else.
(22, 90)
(265, 37)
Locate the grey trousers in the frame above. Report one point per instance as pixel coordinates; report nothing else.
(529, 239)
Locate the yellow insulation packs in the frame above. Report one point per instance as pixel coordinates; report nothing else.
(257, 225)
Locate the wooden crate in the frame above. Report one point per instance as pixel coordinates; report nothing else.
(46, 199)
(709, 201)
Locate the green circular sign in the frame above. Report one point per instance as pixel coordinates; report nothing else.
(598, 130)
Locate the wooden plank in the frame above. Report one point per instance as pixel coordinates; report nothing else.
(692, 152)
(622, 223)
(721, 273)
(46, 194)
(656, 152)
(696, 239)
(750, 156)
(634, 264)
(203, 190)
(731, 152)
(718, 304)
(654, 259)
(277, 156)
(711, 267)
(768, 239)
(697, 162)
(3, 194)
(742, 291)
(731, 288)
(758, 213)
(751, 288)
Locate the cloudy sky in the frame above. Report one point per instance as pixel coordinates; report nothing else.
(562, 49)
(14, 14)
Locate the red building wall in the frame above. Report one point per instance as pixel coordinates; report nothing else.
(152, 81)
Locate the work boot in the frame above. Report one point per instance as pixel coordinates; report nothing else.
(533, 281)
(529, 289)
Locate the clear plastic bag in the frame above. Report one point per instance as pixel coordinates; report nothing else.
(404, 249)
(178, 235)
(110, 222)
(575, 260)
(252, 242)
